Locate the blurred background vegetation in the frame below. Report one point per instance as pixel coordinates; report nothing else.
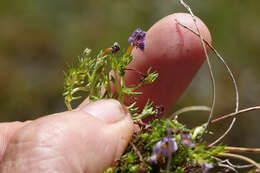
(39, 37)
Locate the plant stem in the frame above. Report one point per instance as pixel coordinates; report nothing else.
(68, 105)
(236, 156)
(242, 150)
(230, 74)
(118, 87)
(78, 89)
(138, 153)
(108, 87)
(233, 114)
(188, 109)
(209, 67)
(122, 85)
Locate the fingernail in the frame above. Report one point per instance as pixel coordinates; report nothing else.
(107, 110)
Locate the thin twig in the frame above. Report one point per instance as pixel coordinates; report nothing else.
(205, 108)
(227, 166)
(242, 150)
(236, 156)
(230, 74)
(140, 73)
(138, 152)
(170, 149)
(209, 67)
(189, 109)
(233, 165)
(233, 114)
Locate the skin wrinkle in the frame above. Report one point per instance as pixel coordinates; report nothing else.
(7, 130)
(51, 157)
(49, 135)
(3, 144)
(39, 153)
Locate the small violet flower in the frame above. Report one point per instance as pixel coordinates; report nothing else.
(166, 146)
(186, 140)
(137, 39)
(163, 149)
(206, 166)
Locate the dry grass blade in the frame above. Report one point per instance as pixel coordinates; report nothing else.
(138, 152)
(243, 150)
(189, 109)
(209, 67)
(236, 156)
(230, 74)
(233, 114)
(226, 161)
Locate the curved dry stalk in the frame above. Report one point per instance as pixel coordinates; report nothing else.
(233, 165)
(240, 157)
(209, 67)
(224, 134)
(242, 150)
(189, 109)
(230, 74)
(233, 114)
(227, 166)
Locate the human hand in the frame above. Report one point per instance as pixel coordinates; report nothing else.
(91, 137)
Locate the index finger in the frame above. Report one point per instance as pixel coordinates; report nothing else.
(172, 51)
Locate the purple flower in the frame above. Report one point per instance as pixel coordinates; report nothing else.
(137, 39)
(163, 149)
(186, 140)
(168, 146)
(206, 166)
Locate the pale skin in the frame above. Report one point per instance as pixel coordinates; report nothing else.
(91, 137)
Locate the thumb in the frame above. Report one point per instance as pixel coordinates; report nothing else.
(88, 139)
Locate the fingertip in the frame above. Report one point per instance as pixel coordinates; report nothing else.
(186, 19)
(107, 110)
(175, 53)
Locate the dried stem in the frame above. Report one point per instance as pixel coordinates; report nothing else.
(230, 74)
(242, 150)
(209, 67)
(234, 114)
(170, 151)
(227, 166)
(138, 153)
(233, 165)
(206, 108)
(236, 156)
(140, 73)
(189, 109)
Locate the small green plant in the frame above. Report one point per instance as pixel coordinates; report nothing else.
(163, 145)
(101, 77)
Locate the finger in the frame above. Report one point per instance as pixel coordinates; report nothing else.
(172, 51)
(89, 139)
